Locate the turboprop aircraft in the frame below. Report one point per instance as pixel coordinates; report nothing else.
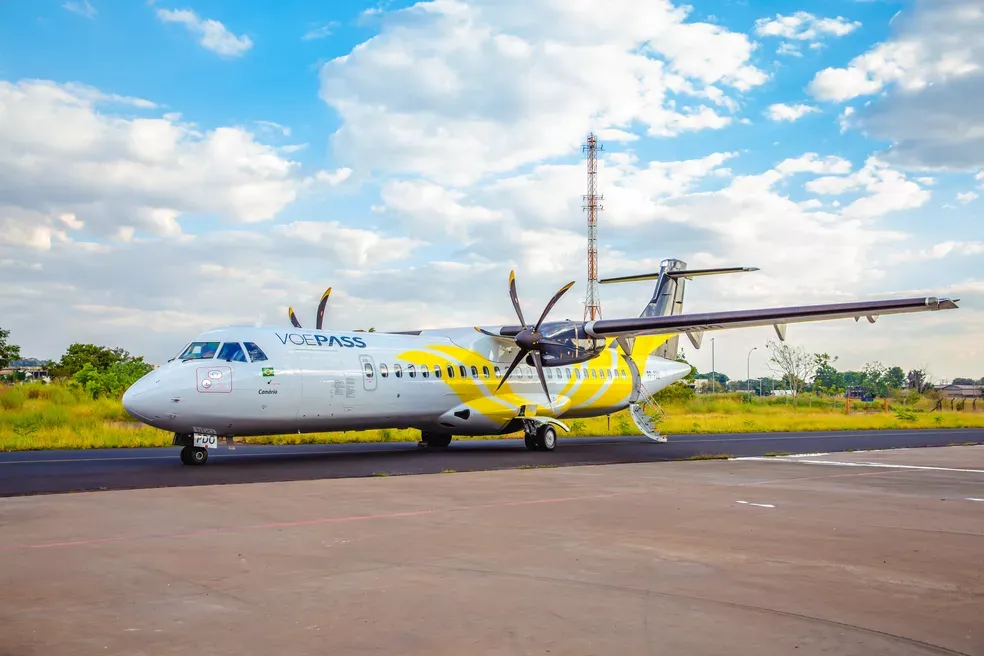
(482, 380)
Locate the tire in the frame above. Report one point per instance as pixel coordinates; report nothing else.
(194, 455)
(439, 440)
(546, 438)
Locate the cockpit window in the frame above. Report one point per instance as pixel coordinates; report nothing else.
(200, 351)
(256, 354)
(232, 352)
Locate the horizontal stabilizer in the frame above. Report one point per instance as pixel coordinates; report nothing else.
(685, 273)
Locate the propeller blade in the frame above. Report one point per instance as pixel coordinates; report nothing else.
(490, 334)
(519, 358)
(293, 318)
(543, 379)
(515, 298)
(553, 301)
(321, 308)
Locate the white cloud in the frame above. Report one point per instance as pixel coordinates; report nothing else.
(61, 155)
(803, 26)
(83, 8)
(320, 32)
(214, 35)
(782, 112)
(276, 127)
(813, 163)
(349, 246)
(967, 197)
(456, 91)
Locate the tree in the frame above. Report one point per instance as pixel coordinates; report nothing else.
(100, 357)
(917, 380)
(963, 381)
(682, 357)
(794, 364)
(895, 378)
(826, 379)
(873, 379)
(8, 352)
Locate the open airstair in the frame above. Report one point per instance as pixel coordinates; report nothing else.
(647, 413)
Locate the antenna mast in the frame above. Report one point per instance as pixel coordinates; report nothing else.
(592, 303)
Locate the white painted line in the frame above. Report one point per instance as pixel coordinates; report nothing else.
(760, 505)
(871, 464)
(973, 499)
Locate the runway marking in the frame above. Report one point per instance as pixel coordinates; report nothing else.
(861, 464)
(973, 499)
(760, 505)
(309, 522)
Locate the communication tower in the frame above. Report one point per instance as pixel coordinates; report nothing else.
(592, 302)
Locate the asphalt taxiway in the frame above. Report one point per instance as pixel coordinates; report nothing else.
(41, 472)
(831, 553)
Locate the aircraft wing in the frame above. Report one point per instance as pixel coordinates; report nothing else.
(778, 317)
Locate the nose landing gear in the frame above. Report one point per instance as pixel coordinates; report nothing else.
(194, 455)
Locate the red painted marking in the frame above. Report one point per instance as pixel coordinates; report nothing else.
(303, 522)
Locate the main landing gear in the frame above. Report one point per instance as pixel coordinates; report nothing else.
(194, 455)
(540, 438)
(439, 440)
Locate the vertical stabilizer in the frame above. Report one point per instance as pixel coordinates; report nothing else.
(667, 300)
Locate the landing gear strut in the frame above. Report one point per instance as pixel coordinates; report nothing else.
(540, 438)
(439, 440)
(194, 455)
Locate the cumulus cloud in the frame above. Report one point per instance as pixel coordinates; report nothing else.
(457, 91)
(83, 8)
(967, 197)
(791, 113)
(213, 35)
(803, 26)
(930, 77)
(60, 153)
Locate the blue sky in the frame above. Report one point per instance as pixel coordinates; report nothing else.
(250, 154)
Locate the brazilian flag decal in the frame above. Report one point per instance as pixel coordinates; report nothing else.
(267, 371)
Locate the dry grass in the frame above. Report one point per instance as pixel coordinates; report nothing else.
(56, 417)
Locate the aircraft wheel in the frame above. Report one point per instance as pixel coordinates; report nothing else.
(194, 455)
(436, 439)
(546, 438)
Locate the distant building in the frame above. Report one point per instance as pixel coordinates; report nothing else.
(962, 391)
(32, 368)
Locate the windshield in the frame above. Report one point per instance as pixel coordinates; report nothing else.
(200, 351)
(232, 352)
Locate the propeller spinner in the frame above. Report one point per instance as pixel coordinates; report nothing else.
(530, 340)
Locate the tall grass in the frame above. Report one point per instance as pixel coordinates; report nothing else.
(36, 416)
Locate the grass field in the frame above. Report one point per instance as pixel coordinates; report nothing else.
(36, 416)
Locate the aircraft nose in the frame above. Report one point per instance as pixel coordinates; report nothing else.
(138, 401)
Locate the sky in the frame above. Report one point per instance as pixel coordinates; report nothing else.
(171, 166)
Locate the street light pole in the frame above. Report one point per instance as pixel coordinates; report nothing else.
(713, 373)
(748, 371)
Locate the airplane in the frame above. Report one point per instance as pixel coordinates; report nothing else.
(240, 381)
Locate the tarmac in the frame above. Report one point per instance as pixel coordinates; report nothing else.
(46, 472)
(876, 552)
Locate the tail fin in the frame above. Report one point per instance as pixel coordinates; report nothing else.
(667, 297)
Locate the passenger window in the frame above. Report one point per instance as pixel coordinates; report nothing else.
(411, 371)
(437, 371)
(474, 371)
(450, 371)
(498, 373)
(383, 370)
(568, 373)
(485, 371)
(623, 374)
(200, 351)
(464, 372)
(232, 352)
(398, 371)
(549, 373)
(368, 370)
(594, 373)
(577, 372)
(424, 371)
(256, 354)
(609, 374)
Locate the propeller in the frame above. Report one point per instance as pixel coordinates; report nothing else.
(321, 311)
(530, 340)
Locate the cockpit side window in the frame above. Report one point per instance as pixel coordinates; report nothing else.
(256, 354)
(232, 352)
(200, 351)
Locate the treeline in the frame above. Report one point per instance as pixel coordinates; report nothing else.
(796, 370)
(99, 371)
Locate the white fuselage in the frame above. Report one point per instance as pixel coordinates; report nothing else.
(303, 381)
